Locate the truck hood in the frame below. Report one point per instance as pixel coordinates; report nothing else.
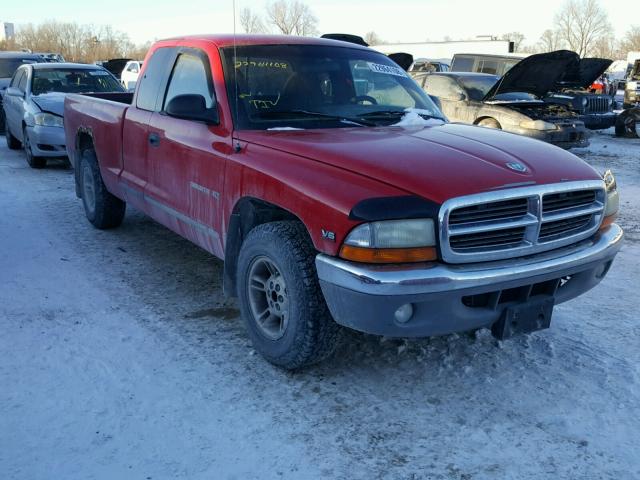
(436, 163)
(537, 74)
(50, 102)
(584, 73)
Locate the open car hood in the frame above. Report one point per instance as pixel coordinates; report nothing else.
(405, 60)
(537, 74)
(584, 73)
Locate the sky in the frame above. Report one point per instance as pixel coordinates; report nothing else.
(393, 20)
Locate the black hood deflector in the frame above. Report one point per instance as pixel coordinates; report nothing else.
(536, 74)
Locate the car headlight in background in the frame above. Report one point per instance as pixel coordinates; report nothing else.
(612, 201)
(391, 241)
(43, 119)
(584, 102)
(538, 125)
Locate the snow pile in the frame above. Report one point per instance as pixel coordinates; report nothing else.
(413, 118)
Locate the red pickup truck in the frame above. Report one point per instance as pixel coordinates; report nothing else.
(338, 194)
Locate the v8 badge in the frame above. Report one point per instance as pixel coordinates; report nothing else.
(328, 235)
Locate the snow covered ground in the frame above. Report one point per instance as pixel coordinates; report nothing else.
(120, 359)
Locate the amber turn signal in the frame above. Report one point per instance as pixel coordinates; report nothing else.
(608, 221)
(388, 255)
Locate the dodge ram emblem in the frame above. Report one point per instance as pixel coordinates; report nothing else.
(518, 167)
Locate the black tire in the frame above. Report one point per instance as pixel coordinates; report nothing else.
(490, 123)
(34, 162)
(12, 142)
(627, 125)
(103, 209)
(2, 124)
(309, 334)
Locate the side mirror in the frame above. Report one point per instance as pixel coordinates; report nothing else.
(192, 107)
(459, 97)
(15, 92)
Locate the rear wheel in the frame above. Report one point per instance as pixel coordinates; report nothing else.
(12, 142)
(103, 209)
(489, 123)
(280, 297)
(33, 161)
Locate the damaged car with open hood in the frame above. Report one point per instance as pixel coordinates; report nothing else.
(514, 102)
(573, 91)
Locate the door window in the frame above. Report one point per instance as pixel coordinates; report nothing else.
(442, 87)
(190, 77)
(22, 83)
(16, 78)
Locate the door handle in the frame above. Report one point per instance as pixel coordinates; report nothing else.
(154, 139)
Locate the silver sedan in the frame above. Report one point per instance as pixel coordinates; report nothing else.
(34, 105)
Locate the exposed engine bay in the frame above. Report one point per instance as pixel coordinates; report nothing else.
(545, 111)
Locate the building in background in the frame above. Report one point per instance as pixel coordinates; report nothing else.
(447, 49)
(7, 31)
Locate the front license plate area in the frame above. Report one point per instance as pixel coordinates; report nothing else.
(524, 318)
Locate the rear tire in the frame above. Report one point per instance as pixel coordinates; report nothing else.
(12, 142)
(627, 125)
(103, 209)
(277, 277)
(34, 162)
(489, 123)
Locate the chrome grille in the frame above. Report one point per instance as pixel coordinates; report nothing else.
(597, 104)
(519, 221)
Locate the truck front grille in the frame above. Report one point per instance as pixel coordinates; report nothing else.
(597, 104)
(519, 221)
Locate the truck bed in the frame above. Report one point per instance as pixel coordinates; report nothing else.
(97, 112)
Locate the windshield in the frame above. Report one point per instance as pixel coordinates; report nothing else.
(478, 86)
(8, 66)
(314, 86)
(73, 80)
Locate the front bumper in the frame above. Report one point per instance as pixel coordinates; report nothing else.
(599, 121)
(454, 298)
(47, 141)
(570, 135)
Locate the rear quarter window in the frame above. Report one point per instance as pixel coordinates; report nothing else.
(154, 79)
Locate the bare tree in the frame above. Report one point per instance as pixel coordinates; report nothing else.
(631, 41)
(516, 37)
(77, 43)
(251, 22)
(292, 17)
(372, 38)
(605, 47)
(549, 41)
(581, 24)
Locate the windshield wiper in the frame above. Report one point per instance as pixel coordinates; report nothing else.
(397, 113)
(307, 113)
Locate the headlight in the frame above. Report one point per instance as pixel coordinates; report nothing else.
(47, 120)
(612, 201)
(537, 125)
(391, 241)
(584, 102)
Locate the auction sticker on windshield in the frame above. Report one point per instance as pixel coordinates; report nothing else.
(389, 70)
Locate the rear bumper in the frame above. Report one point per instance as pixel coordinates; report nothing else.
(47, 141)
(453, 298)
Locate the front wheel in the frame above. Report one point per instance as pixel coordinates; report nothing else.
(103, 209)
(32, 160)
(280, 297)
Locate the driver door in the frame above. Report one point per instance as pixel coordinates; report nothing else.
(186, 170)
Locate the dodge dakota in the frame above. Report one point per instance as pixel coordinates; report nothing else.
(338, 195)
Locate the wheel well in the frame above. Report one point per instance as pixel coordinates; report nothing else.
(247, 214)
(478, 120)
(84, 141)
